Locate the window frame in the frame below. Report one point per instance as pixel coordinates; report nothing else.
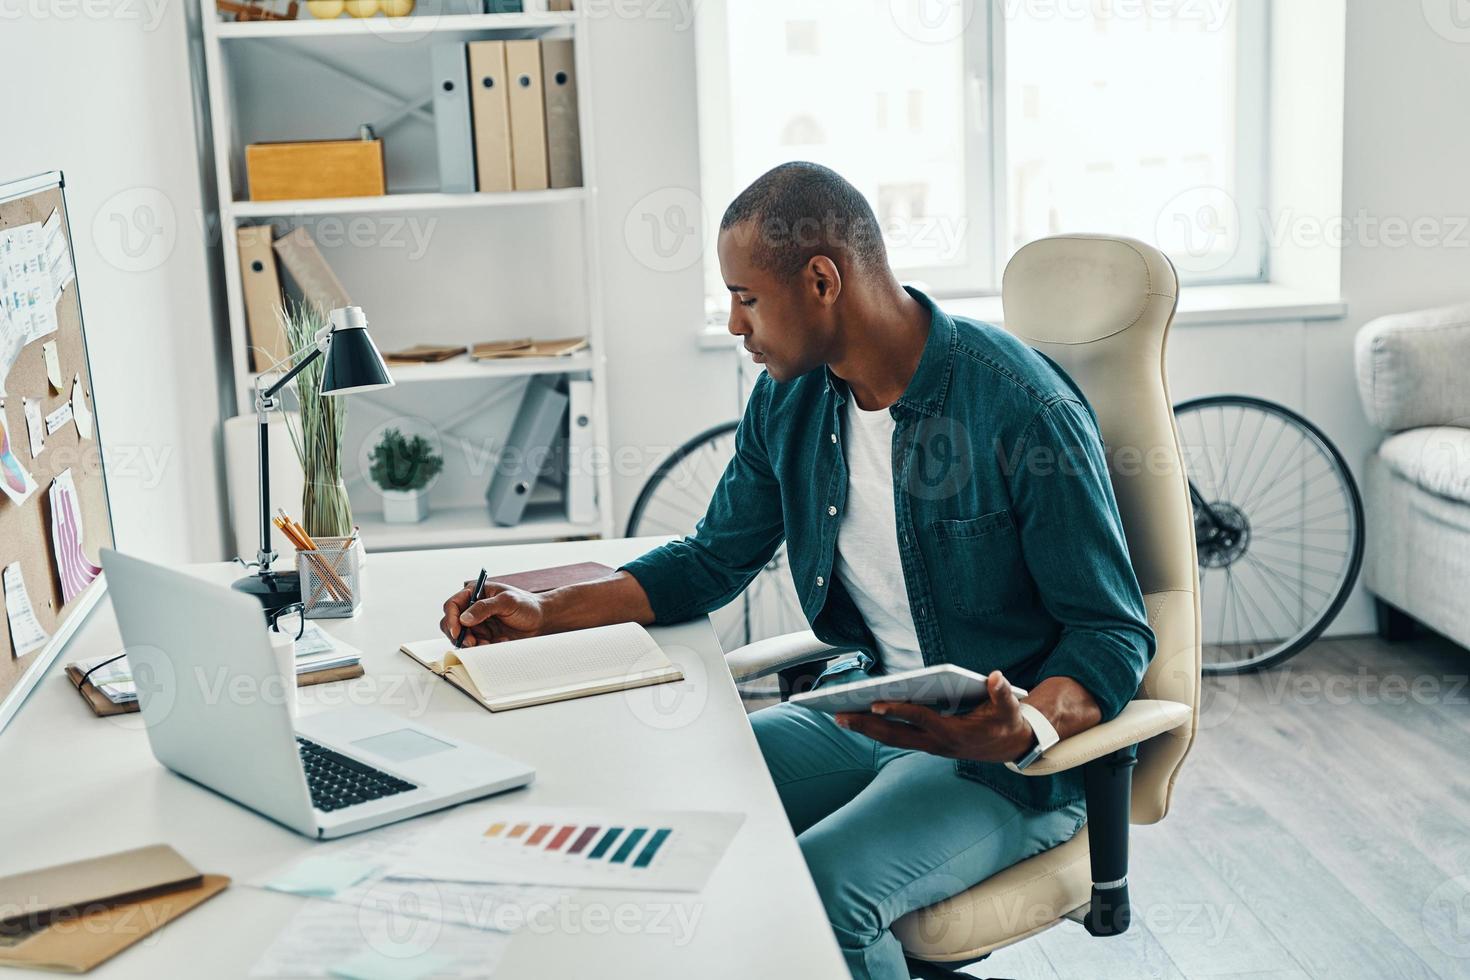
(984, 141)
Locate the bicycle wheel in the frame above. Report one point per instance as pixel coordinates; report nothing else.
(1278, 526)
(672, 502)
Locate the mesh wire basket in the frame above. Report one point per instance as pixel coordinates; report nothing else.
(331, 579)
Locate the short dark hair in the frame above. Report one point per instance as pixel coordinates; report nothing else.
(802, 209)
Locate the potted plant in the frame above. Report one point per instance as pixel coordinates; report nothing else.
(317, 433)
(402, 468)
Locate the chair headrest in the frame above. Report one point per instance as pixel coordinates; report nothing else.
(1076, 289)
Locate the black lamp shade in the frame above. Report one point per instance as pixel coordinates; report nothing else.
(353, 363)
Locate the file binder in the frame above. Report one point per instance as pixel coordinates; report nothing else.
(526, 449)
(580, 482)
(314, 279)
(527, 115)
(490, 110)
(563, 139)
(452, 118)
(262, 288)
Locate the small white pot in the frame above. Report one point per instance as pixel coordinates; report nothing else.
(404, 506)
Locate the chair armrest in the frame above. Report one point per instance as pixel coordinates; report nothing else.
(1139, 720)
(765, 657)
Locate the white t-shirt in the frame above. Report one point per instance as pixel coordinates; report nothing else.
(867, 557)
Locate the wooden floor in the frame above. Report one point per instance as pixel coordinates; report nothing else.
(1320, 829)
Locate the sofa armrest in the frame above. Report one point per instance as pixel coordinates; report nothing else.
(765, 657)
(1411, 368)
(1139, 720)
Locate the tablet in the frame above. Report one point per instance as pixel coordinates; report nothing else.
(944, 687)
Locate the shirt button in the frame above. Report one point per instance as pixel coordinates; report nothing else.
(821, 581)
(834, 437)
(831, 511)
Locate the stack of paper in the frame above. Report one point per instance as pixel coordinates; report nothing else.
(442, 896)
(576, 847)
(361, 923)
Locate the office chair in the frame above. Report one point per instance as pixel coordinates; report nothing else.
(1100, 307)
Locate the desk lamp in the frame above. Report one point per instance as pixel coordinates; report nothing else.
(353, 364)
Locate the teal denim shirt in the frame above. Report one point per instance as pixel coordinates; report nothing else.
(1013, 552)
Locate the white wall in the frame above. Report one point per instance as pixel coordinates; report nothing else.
(101, 91)
(662, 387)
(1405, 146)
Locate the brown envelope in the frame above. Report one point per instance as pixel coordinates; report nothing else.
(37, 896)
(76, 945)
(71, 917)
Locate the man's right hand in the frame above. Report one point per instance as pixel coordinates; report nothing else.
(502, 613)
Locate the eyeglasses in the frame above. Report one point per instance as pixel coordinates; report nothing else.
(289, 619)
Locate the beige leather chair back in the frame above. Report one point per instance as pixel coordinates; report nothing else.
(1101, 307)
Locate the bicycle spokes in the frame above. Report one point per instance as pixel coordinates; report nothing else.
(1278, 528)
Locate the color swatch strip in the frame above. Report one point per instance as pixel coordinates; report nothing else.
(617, 844)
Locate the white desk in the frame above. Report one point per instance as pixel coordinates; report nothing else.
(76, 785)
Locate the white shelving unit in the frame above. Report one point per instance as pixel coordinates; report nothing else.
(337, 49)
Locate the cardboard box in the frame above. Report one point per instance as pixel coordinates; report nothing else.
(314, 169)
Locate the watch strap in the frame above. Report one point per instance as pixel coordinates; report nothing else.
(1046, 737)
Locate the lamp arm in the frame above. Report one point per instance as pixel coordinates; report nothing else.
(264, 403)
(285, 379)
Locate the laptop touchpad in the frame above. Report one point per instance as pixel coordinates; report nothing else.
(403, 745)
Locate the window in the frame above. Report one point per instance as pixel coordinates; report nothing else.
(975, 126)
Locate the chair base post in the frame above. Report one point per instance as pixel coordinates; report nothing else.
(799, 679)
(1109, 784)
(1109, 913)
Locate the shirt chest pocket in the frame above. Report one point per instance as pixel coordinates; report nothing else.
(979, 566)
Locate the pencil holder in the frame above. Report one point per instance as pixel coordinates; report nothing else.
(331, 579)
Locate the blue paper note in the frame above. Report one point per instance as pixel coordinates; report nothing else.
(322, 876)
(373, 965)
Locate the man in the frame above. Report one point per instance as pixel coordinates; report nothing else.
(944, 498)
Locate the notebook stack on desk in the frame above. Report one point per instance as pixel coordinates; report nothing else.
(109, 689)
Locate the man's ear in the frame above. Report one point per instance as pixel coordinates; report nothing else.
(824, 279)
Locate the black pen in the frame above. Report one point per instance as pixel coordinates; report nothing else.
(474, 597)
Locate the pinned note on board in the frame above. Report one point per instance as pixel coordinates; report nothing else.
(15, 479)
(35, 427)
(26, 632)
(58, 418)
(53, 364)
(73, 568)
(80, 410)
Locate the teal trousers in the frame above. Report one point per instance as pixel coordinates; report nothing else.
(885, 831)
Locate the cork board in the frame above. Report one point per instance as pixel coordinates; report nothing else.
(25, 530)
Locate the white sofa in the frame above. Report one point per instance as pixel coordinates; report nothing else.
(1414, 380)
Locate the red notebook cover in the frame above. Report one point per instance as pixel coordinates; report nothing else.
(546, 579)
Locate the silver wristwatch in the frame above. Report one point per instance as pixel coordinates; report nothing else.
(1046, 737)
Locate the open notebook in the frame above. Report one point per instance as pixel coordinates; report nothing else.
(542, 669)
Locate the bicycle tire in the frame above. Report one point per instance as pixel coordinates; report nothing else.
(1309, 633)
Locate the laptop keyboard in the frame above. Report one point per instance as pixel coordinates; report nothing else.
(337, 781)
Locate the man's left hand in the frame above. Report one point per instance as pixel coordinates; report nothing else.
(993, 732)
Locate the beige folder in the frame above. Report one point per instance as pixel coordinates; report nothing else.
(74, 916)
(563, 140)
(262, 288)
(490, 110)
(527, 115)
(315, 280)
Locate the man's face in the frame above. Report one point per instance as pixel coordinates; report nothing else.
(787, 323)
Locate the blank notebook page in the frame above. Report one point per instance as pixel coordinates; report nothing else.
(605, 653)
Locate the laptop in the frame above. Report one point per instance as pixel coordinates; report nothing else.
(205, 672)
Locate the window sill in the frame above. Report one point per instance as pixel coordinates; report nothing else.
(1198, 306)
